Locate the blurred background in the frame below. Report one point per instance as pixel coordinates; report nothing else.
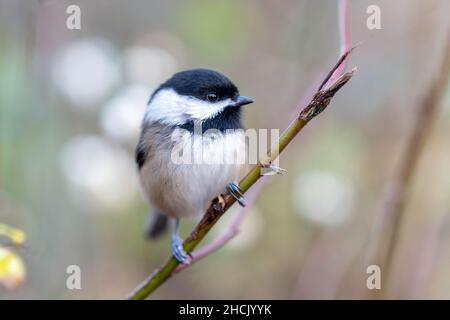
(71, 103)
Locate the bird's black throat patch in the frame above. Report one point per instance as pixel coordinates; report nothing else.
(228, 118)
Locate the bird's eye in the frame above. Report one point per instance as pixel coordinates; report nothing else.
(212, 97)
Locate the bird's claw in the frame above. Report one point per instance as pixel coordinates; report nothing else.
(178, 251)
(236, 192)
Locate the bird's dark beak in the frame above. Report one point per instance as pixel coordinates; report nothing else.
(242, 100)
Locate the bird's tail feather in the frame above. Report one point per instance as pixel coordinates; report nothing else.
(156, 224)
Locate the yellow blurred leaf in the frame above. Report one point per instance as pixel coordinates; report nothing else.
(12, 268)
(17, 236)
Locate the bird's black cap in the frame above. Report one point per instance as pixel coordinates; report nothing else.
(200, 83)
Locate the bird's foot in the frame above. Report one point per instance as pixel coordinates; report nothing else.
(178, 251)
(270, 170)
(177, 245)
(236, 192)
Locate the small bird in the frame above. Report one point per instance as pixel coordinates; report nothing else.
(181, 112)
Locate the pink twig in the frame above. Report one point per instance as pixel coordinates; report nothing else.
(344, 31)
(315, 257)
(231, 231)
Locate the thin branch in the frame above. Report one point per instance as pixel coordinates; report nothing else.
(320, 238)
(384, 239)
(336, 67)
(344, 33)
(220, 205)
(231, 232)
(233, 229)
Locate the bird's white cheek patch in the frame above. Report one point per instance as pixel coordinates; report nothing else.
(201, 110)
(170, 108)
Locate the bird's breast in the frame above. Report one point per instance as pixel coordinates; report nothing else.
(182, 181)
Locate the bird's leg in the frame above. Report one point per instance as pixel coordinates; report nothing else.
(268, 169)
(177, 244)
(236, 192)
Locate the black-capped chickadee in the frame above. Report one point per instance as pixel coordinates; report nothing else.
(178, 117)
